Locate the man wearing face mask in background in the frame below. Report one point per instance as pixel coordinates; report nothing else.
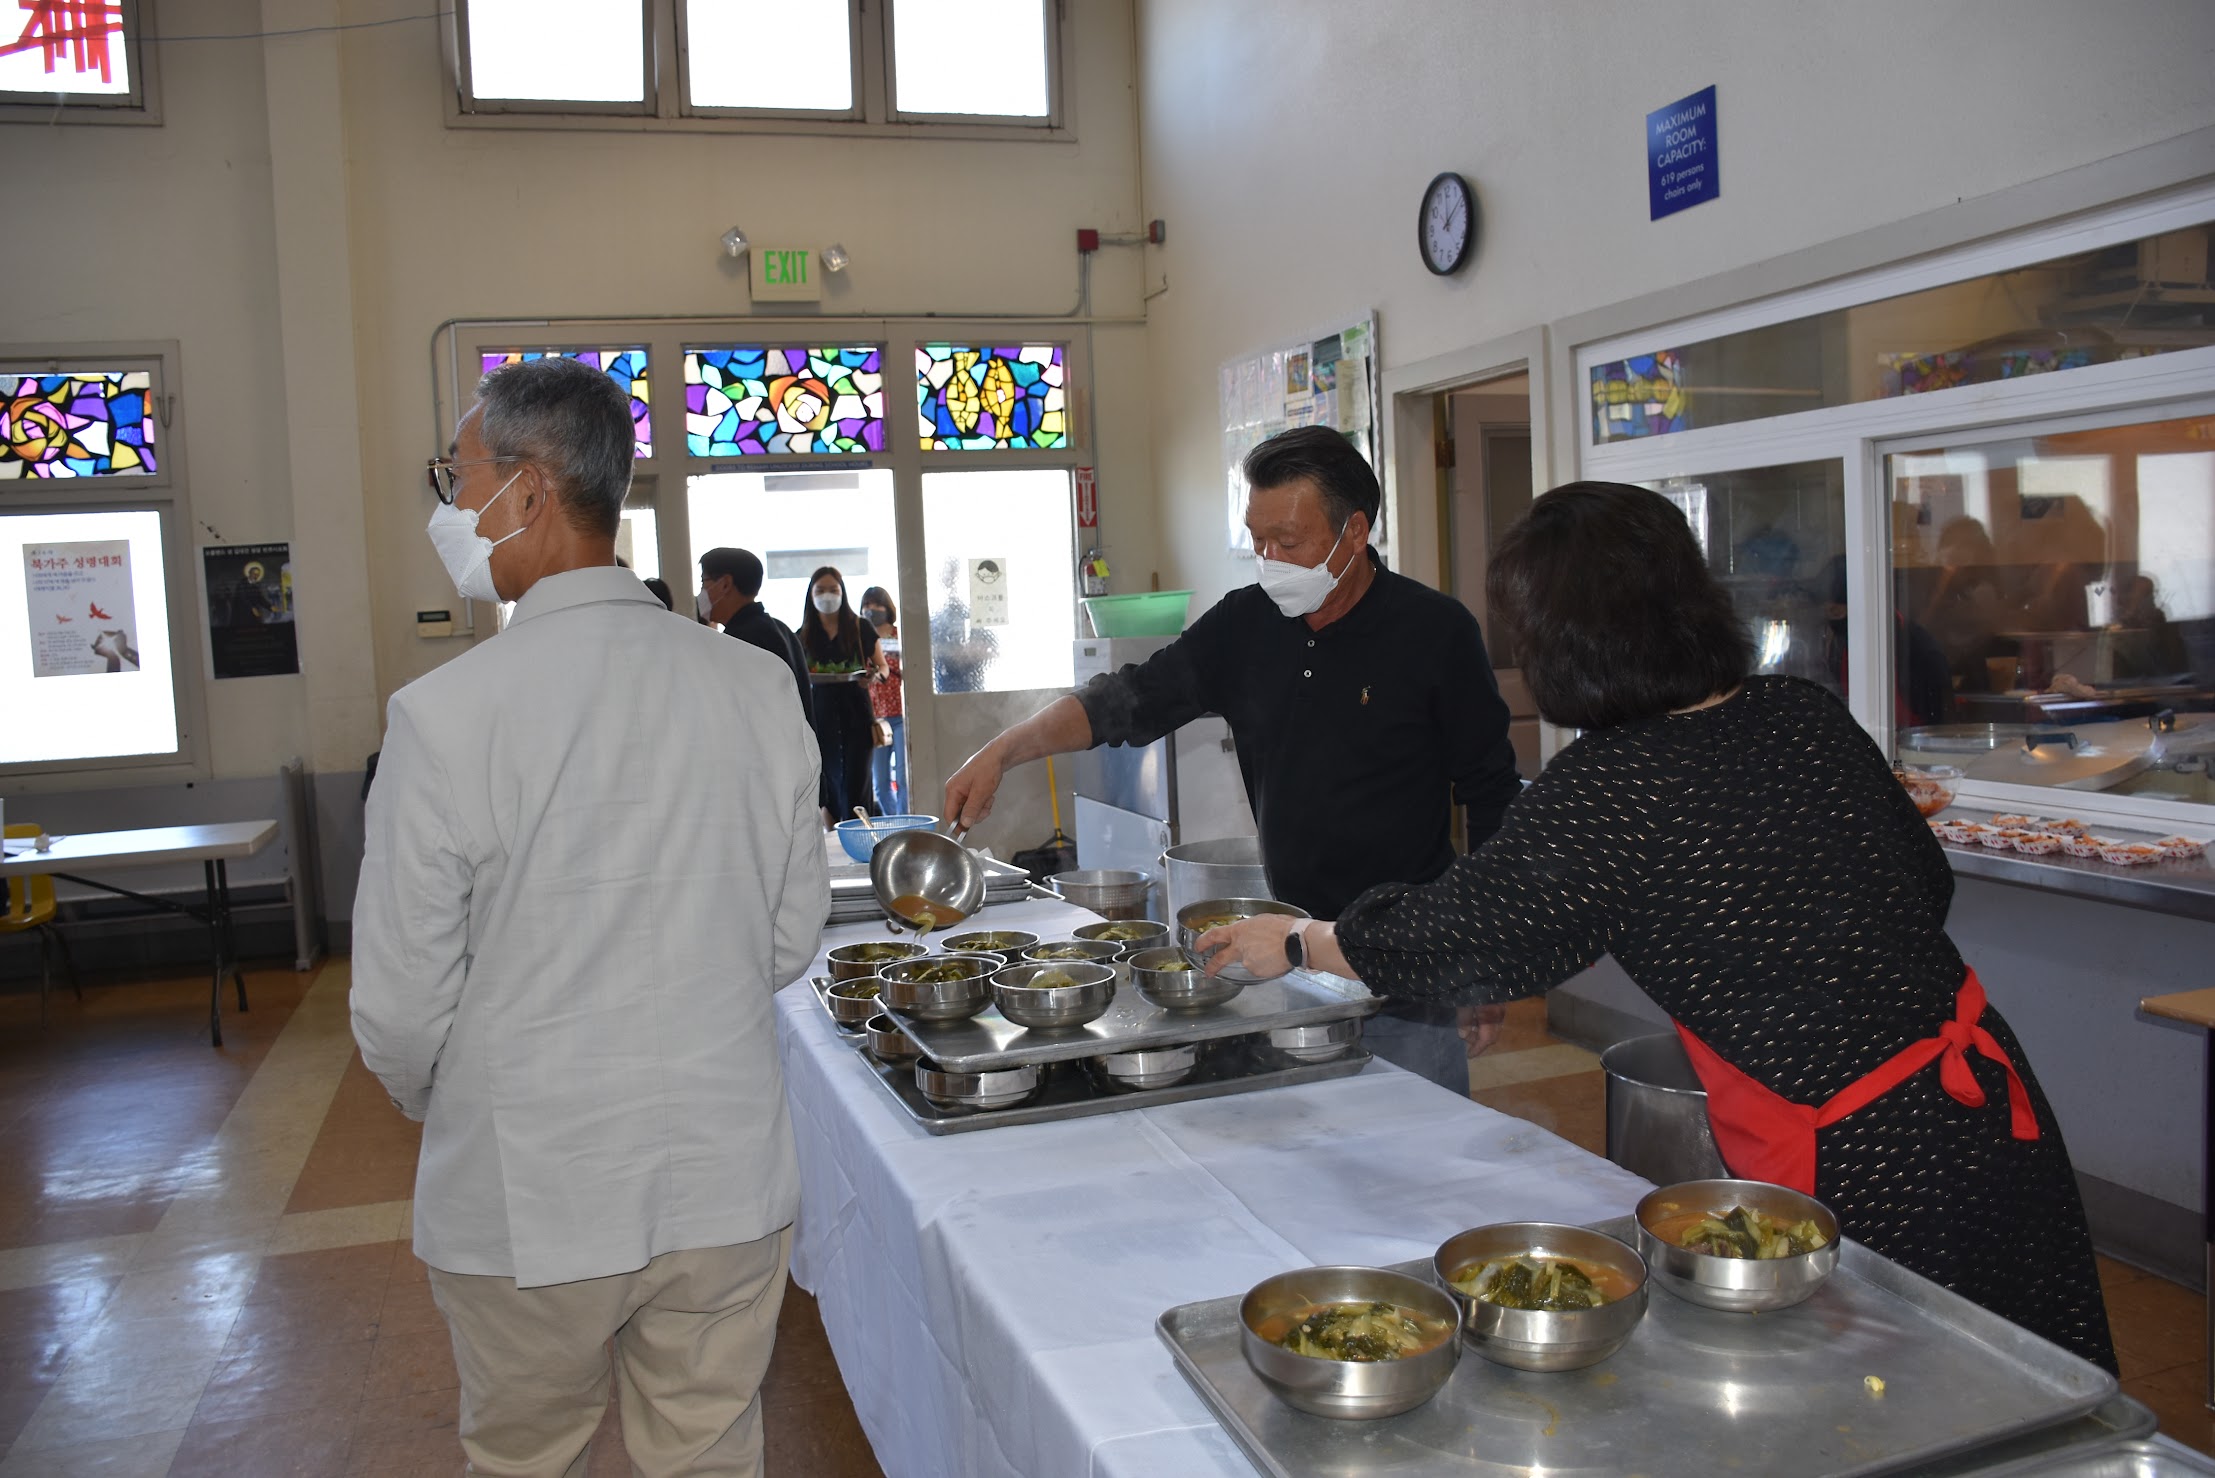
(730, 587)
(569, 931)
(1362, 704)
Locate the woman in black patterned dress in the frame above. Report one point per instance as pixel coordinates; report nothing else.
(1743, 850)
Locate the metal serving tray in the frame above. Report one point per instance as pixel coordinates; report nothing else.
(1694, 1393)
(1072, 1091)
(988, 1040)
(2138, 1459)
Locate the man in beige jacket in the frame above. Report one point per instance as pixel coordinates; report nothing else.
(593, 855)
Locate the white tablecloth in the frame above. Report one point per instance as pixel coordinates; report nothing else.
(991, 1296)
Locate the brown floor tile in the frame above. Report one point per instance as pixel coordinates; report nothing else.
(410, 1364)
(293, 1444)
(334, 1314)
(1573, 1106)
(37, 1324)
(2179, 1396)
(23, 1385)
(2157, 1325)
(266, 1383)
(408, 1307)
(408, 1434)
(289, 1274)
(365, 1151)
(1525, 1027)
(802, 1371)
(817, 1439)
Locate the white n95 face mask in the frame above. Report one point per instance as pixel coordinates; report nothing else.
(1300, 590)
(466, 553)
(827, 603)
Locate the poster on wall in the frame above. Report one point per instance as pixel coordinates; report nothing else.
(1329, 381)
(83, 618)
(250, 630)
(988, 592)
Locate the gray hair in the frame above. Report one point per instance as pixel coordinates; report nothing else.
(574, 422)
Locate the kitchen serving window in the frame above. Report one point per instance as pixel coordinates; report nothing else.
(834, 65)
(1974, 494)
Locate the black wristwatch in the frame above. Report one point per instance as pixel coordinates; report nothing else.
(1295, 948)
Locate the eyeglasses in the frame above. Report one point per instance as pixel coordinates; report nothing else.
(440, 473)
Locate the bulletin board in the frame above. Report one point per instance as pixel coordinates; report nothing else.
(1330, 381)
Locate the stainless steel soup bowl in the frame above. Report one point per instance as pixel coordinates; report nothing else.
(1073, 952)
(1009, 942)
(1235, 908)
(1319, 1042)
(1153, 1067)
(1736, 1285)
(1347, 1390)
(887, 1043)
(923, 864)
(1153, 936)
(1086, 998)
(937, 1000)
(1535, 1339)
(861, 961)
(853, 1002)
(1179, 990)
(1002, 1089)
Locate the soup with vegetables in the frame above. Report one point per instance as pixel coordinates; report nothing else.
(1364, 1331)
(1126, 933)
(1741, 1232)
(1552, 1285)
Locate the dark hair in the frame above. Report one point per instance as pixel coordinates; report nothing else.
(740, 564)
(660, 587)
(1614, 613)
(846, 646)
(877, 595)
(1327, 459)
(572, 421)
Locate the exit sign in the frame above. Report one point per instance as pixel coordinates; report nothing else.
(785, 274)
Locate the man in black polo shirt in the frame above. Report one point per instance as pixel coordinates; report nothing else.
(729, 581)
(1362, 704)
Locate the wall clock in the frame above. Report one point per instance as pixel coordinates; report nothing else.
(1446, 226)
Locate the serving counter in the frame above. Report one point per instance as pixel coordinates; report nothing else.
(991, 1297)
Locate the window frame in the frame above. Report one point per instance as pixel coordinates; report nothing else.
(857, 70)
(139, 106)
(1054, 75)
(1863, 433)
(165, 492)
(457, 27)
(668, 108)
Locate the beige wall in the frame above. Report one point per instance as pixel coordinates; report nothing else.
(1288, 147)
(176, 232)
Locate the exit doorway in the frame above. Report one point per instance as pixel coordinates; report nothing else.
(1484, 487)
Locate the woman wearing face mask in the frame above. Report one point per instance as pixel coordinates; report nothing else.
(842, 655)
(888, 765)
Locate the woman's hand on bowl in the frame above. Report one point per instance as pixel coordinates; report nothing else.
(1257, 943)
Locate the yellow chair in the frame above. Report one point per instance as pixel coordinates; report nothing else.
(31, 906)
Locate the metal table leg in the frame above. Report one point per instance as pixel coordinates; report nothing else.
(230, 941)
(216, 962)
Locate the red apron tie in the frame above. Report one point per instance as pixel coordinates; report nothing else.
(1765, 1136)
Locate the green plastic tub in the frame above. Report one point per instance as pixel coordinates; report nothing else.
(1155, 613)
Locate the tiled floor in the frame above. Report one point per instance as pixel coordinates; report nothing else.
(204, 1266)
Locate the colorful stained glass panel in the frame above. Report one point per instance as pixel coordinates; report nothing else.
(1638, 397)
(66, 47)
(627, 367)
(91, 423)
(975, 398)
(751, 400)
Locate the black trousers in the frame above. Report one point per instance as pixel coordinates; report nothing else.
(843, 734)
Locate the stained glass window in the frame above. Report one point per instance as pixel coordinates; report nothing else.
(985, 399)
(1638, 397)
(749, 400)
(89, 423)
(66, 46)
(627, 367)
